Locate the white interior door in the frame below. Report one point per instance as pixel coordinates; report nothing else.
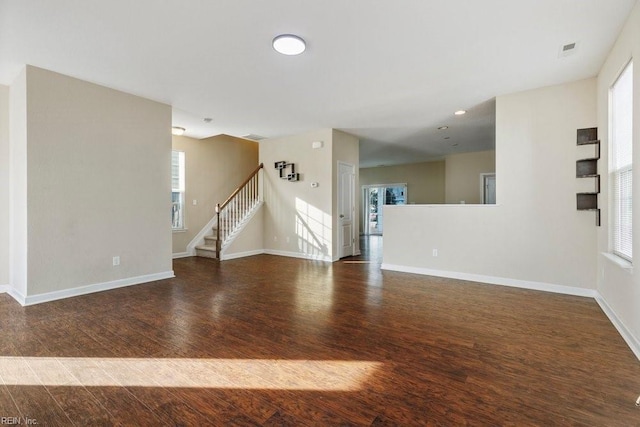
(346, 209)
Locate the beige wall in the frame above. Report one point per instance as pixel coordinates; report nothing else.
(535, 234)
(4, 188)
(425, 181)
(98, 184)
(214, 168)
(620, 286)
(462, 175)
(297, 217)
(18, 185)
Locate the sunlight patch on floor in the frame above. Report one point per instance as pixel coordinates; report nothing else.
(315, 375)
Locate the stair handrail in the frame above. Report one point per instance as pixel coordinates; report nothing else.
(221, 206)
(224, 204)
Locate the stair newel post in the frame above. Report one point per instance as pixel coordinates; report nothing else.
(218, 247)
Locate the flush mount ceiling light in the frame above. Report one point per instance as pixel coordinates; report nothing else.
(443, 127)
(177, 130)
(460, 112)
(289, 44)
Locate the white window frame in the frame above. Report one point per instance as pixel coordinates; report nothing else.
(178, 207)
(621, 173)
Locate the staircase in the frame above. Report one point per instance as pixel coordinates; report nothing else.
(208, 250)
(231, 216)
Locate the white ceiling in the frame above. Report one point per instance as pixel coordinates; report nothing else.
(387, 71)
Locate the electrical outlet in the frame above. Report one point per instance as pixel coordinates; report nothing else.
(116, 260)
(275, 238)
(194, 202)
(435, 252)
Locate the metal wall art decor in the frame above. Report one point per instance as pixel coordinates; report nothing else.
(282, 166)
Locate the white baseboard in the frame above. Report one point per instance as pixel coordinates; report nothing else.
(626, 334)
(181, 255)
(226, 257)
(89, 289)
(17, 296)
(503, 281)
(326, 258)
(4, 289)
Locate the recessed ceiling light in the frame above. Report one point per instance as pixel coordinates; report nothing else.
(289, 44)
(447, 137)
(443, 127)
(177, 130)
(207, 119)
(460, 112)
(455, 145)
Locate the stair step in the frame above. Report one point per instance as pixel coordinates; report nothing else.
(210, 240)
(206, 251)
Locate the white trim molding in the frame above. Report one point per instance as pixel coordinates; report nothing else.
(4, 289)
(326, 258)
(503, 281)
(226, 257)
(240, 228)
(626, 334)
(181, 255)
(199, 238)
(88, 289)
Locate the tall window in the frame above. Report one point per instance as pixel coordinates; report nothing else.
(177, 190)
(621, 163)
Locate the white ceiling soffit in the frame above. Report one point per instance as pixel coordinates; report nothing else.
(389, 72)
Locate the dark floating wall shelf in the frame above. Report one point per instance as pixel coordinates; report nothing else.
(282, 166)
(588, 168)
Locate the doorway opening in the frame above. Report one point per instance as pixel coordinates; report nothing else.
(374, 198)
(488, 188)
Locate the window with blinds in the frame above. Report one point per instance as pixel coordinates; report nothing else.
(621, 129)
(177, 190)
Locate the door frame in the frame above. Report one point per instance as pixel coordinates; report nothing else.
(354, 216)
(365, 203)
(483, 178)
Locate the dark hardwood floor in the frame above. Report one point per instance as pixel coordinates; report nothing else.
(277, 341)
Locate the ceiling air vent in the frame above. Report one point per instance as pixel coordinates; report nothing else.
(254, 137)
(568, 49)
